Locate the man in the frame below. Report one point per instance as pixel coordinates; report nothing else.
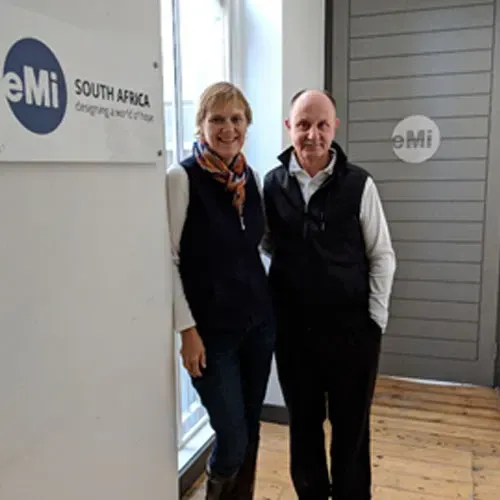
(331, 274)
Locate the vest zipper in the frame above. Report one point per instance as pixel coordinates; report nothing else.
(242, 223)
(304, 226)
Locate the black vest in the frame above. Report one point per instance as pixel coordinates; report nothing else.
(319, 259)
(222, 273)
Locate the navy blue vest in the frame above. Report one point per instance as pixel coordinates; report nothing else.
(220, 266)
(319, 261)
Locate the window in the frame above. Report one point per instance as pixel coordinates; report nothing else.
(195, 54)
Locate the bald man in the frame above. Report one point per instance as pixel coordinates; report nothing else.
(331, 274)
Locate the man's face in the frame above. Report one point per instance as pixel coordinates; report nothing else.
(312, 126)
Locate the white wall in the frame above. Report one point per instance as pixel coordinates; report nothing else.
(303, 49)
(260, 72)
(283, 52)
(86, 367)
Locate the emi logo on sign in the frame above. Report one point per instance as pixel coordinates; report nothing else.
(416, 139)
(35, 86)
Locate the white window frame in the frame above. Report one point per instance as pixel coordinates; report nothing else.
(234, 48)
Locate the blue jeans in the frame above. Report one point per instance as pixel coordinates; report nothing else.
(232, 389)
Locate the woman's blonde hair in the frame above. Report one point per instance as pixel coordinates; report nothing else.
(217, 94)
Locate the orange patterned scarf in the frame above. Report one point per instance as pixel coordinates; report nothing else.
(234, 176)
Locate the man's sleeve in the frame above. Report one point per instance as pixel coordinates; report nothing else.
(379, 251)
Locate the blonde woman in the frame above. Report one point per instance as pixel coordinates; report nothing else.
(222, 305)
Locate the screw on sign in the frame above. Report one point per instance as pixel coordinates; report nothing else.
(416, 139)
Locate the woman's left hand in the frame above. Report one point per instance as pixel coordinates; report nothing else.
(193, 352)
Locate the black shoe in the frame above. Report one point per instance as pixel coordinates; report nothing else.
(244, 481)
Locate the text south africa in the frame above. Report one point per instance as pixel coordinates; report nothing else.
(110, 93)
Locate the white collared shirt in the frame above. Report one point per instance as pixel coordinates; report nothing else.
(309, 185)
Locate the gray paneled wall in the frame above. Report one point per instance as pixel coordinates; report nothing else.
(431, 57)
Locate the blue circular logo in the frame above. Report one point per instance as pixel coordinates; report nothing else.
(35, 86)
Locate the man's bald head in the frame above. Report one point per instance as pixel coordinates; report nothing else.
(305, 93)
(312, 123)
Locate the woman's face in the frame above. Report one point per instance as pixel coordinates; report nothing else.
(224, 129)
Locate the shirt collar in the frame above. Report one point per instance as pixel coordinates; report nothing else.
(295, 168)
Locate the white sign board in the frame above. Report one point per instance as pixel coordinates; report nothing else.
(74, 96)
(416, 139)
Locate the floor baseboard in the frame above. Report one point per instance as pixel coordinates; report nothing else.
(275, 414)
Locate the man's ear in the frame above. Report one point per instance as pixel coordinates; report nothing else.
(337, 123)
(287, 123)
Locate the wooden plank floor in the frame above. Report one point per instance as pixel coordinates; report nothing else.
(430, 442)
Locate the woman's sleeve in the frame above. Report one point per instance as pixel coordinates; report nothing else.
(177, 191)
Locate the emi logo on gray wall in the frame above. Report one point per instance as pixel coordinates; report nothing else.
(415, 139)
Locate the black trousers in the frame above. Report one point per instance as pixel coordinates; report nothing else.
(329, 372)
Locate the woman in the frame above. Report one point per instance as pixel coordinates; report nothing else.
(222, 305)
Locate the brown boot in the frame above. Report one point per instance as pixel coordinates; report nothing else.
(244, 482)
(218, 488)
